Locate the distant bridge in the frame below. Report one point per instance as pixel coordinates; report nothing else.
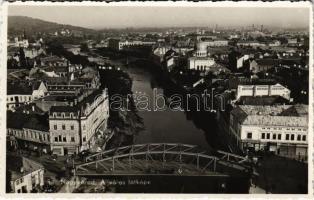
(161, 159)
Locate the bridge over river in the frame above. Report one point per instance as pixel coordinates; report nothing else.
(168, 167)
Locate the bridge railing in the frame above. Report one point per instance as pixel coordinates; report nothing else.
(133, 156)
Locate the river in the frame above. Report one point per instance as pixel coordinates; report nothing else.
(166, 126)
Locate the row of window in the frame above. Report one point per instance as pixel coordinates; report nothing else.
(64, 139)
(32, 135)
(19, 181)
(288, 129)
(63, 127)
(276, 136)
(20, 98)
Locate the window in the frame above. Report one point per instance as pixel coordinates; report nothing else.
(299, 137)
(63, 127)
(274, 136)
(64, 139)
(263, 135)
(292, 136)
(60, 138)
(287, 136)
(249, 135)
(56, 139)
(55, 127)
(72, 127)
(279, 136)
(268, 136)
(84, 139)
(304, 137)
(72, 139)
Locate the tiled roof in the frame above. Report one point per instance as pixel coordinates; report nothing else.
(18, 162)
(271, 115)
(19, 88)
(264, 100)
(272, 62)
(19, 120)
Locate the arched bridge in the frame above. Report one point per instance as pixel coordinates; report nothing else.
(161, 159)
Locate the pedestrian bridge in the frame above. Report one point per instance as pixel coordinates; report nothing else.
(162, 159)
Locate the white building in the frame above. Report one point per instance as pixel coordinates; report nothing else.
(120, 44)
(18, 95)
(200, 63)
(39, 91)
(26, 174)
(74, 128)
(241, 60)
(282, 129)
(263, 90)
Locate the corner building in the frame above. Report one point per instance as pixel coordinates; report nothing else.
(75, 128)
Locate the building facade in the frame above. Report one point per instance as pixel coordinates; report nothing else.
(263, 90)
(279, 129)
(74, 128)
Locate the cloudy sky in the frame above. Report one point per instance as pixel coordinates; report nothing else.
(121, 17)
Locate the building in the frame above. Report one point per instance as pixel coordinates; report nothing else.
(263, 90)
(18, 94)
(200, 63)
(75, 128)
(260, 65)
(246, 43)
(75, 49)
(53, 61)
(26, 175)
(118, 44)
(30, 130)
(241, 61)
(282, 129)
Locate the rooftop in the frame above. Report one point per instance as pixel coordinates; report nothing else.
(16, 163)
(20, 88)
(18, 120)
(279, 115)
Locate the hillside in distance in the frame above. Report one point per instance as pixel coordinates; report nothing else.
(17, 25)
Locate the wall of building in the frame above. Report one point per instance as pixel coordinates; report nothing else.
(27, 181)
(200, 64)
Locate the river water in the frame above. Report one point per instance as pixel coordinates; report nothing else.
(166, 126)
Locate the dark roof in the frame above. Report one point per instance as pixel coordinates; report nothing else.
(31, 108)
(19, 120)
(16, 120)
(261, 100)
(21, 88)
(51, 59)
(63, 109)
(80, 105)
(296, 110)
(297, 61)
(16, 163)
(239, 114)
(234, 82)
(38, 122)
(267, 61)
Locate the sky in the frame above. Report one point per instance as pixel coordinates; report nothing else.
(122, 17)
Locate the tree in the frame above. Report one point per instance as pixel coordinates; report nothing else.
(22, 57)
(84, 47)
